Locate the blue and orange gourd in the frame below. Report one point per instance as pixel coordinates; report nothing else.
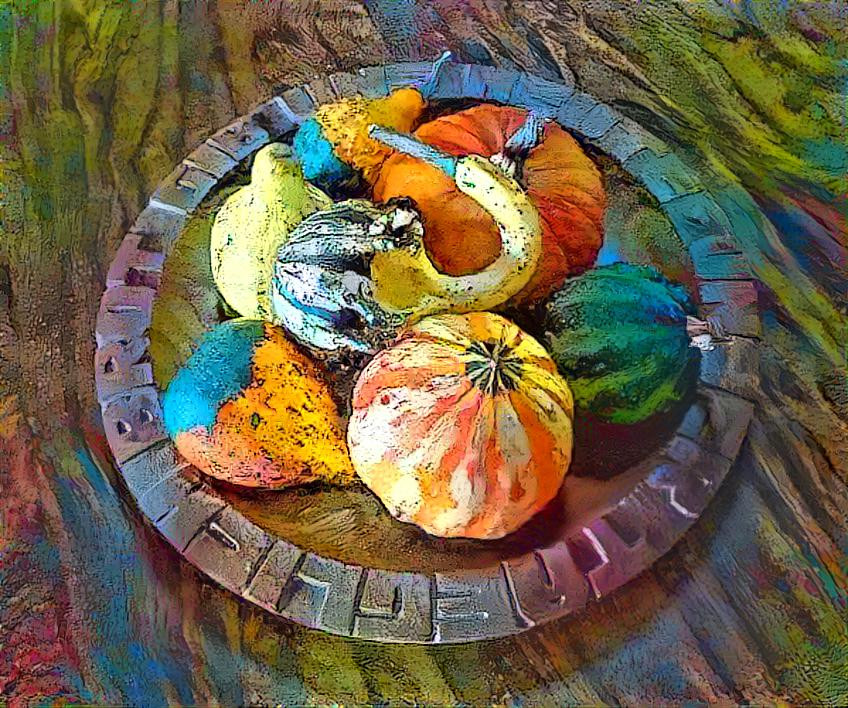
(242, 406)
(333, 147)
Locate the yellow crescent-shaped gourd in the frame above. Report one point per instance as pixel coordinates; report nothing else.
(252, 225)
(407, 281)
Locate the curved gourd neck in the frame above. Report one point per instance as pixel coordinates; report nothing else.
(519, 226)
(517, 220)
(277, 180)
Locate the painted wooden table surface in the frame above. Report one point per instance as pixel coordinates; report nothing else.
(101, 99)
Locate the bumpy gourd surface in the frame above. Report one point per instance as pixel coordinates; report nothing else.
(618, 334)
(250, 408)
(321, 287)
(334, 142)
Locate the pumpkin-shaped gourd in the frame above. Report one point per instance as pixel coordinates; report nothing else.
(618, 333)
(252, 225)
(251, 409)
(463, 426)
(559, 177)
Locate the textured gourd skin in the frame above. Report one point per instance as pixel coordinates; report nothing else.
(463, 426)
(245, 402)
(618, 334)
(560, 179)
(333, 145)
(252, 225)
(321, 289)
(343, 276)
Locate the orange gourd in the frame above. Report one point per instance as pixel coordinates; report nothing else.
(561, 180)
(463, 426)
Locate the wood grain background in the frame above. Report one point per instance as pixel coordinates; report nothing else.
(101, 98)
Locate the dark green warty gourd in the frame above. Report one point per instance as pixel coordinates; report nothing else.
(618, 335)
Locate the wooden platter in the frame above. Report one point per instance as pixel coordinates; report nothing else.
(612, 530)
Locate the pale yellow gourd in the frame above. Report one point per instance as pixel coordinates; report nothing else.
(252, 225)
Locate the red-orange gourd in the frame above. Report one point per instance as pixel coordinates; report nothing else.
(463, 427)
(560, 179)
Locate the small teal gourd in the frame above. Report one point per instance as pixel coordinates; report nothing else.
(240, 408)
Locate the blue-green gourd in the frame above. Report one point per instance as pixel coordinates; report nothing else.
(618, 334)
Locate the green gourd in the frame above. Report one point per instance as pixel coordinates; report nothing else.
(618, 334)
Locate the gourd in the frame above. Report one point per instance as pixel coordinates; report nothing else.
(242, 406)
(407, 281)
(321, 288)
(333, 146)
(463, 426)
(620, 334)
(560, 179)
(351, 274)
(253, 223)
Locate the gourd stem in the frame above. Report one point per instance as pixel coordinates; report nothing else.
(705, 335)
(414, 148)
(526, 137)
(695, 326)
(429, 85)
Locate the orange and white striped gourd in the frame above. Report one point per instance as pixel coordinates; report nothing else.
(463, 426)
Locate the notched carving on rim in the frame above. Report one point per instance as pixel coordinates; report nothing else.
(121, 366)
(125, 314)
(228, 547)
(240, 138)
(393, 605)
(132, 421)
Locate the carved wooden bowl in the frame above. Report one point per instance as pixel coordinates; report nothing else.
(336, 561)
